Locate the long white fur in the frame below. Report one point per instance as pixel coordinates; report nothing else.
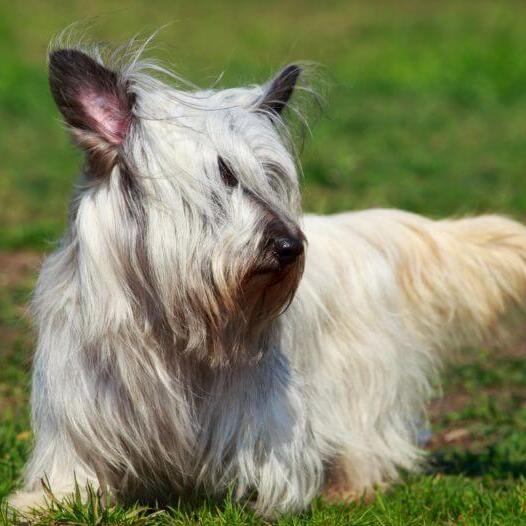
(340, 378)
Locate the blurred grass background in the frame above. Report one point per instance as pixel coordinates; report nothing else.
(427, 112)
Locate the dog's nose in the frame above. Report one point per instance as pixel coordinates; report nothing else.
(288, 249)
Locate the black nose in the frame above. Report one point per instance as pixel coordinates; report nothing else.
(288, 249)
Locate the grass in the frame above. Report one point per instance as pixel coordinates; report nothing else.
(427, 111)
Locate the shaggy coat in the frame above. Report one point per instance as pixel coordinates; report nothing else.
(180, 352)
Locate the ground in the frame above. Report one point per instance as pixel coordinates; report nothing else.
(425, 110)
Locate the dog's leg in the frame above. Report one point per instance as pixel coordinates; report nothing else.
(340, 485)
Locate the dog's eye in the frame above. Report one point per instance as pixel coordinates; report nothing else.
(227, 174)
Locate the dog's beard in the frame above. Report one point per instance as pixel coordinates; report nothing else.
(240, 333)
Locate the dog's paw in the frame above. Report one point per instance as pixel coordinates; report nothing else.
(344, 493)
(22, 504)
(27, 500)
(340, 493)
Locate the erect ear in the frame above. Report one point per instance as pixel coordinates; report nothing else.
(280, 90)
(94, 100)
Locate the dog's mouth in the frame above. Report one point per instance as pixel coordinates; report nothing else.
(275, 279)
(263, 294)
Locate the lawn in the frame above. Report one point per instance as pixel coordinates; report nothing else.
(426, 110)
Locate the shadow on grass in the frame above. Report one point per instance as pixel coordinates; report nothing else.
(493, 462)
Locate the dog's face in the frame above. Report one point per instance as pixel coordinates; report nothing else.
(187, 219)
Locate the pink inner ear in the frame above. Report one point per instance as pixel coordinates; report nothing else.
(106, 113)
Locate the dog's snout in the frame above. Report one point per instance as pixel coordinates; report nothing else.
(288, 249)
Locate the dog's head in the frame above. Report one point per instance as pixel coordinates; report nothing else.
(187, 216)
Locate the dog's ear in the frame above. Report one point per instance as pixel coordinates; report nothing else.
(280, 90)
(94, 100)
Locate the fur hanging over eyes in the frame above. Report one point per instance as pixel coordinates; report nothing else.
(198, 334)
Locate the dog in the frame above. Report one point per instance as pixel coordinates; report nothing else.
(198, 335)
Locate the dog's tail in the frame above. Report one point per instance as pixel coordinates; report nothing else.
(464, 280)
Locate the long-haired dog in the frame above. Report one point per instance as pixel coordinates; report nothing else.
(198, 334)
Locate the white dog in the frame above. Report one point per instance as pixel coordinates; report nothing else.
(197, 333)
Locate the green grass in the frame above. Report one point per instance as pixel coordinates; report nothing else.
(426, 111)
